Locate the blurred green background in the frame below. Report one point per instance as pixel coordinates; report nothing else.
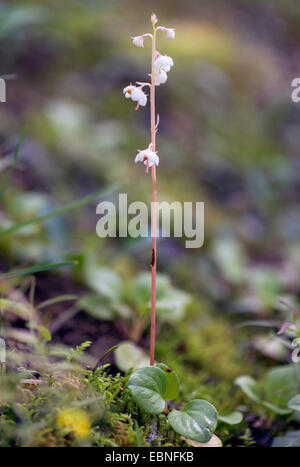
(228, 136)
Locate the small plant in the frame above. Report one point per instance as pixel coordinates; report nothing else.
(160, 66)
(278, 387)
(127, 301)
(152, 386)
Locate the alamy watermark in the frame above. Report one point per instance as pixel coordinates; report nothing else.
(2, 90)
(2, 355)
(134, 220)
(296, 91)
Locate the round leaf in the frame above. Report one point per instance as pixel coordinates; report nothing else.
(196, 421)
(128, 355)
(172, 389)
(171, 307)
(104, 281)
(281, 384)
(294, 403)
(232, 418)
(276, 409)
(290, 440)
(147, 386)
(250, 387)
(96, 307)
(140, 290)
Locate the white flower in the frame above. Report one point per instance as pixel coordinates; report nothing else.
(138, 41)
(163, 62)
(169, 32)
(160, 77)
(136, 94)
(147, 156)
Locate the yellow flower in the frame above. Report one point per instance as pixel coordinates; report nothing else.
(76, 421)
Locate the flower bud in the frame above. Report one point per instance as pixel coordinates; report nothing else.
(154, 19)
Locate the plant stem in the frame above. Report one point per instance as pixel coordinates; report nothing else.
(153, 209)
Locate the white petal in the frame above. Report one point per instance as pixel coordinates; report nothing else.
(170, 33)
(139, 96)
(125, 90)
(164, 62)
(143, 100)
(160, 77)
(135, 95)
(139, 157)
(152, 157)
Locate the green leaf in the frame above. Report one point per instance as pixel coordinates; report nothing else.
(44, 333)
(24, 312)
(232, 418)
(147, 386)
(96, 307)
(172, 388)
(289, 440)
(170, 302)
(104, 281)
(53, 301)
(172, 306)
(281, 384)
(141, 289)
(196, 421)
(19, 17)
(294, 403)
(250, 387)
(34, 269)
(275, 408)
(56, 212)
(128, 355)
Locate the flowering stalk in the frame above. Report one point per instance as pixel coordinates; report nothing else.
(160, 65)
(154, 193)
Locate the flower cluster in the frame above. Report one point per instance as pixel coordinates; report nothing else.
(161, 65)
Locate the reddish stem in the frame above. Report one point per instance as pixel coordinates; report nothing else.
(153, 210)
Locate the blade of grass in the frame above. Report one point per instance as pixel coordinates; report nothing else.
(52, 301)
(6, 182)
(56, 212)
(114, 347)
(34, 269)
(63, 318)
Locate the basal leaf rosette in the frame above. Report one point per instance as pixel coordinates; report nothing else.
(196, 421)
